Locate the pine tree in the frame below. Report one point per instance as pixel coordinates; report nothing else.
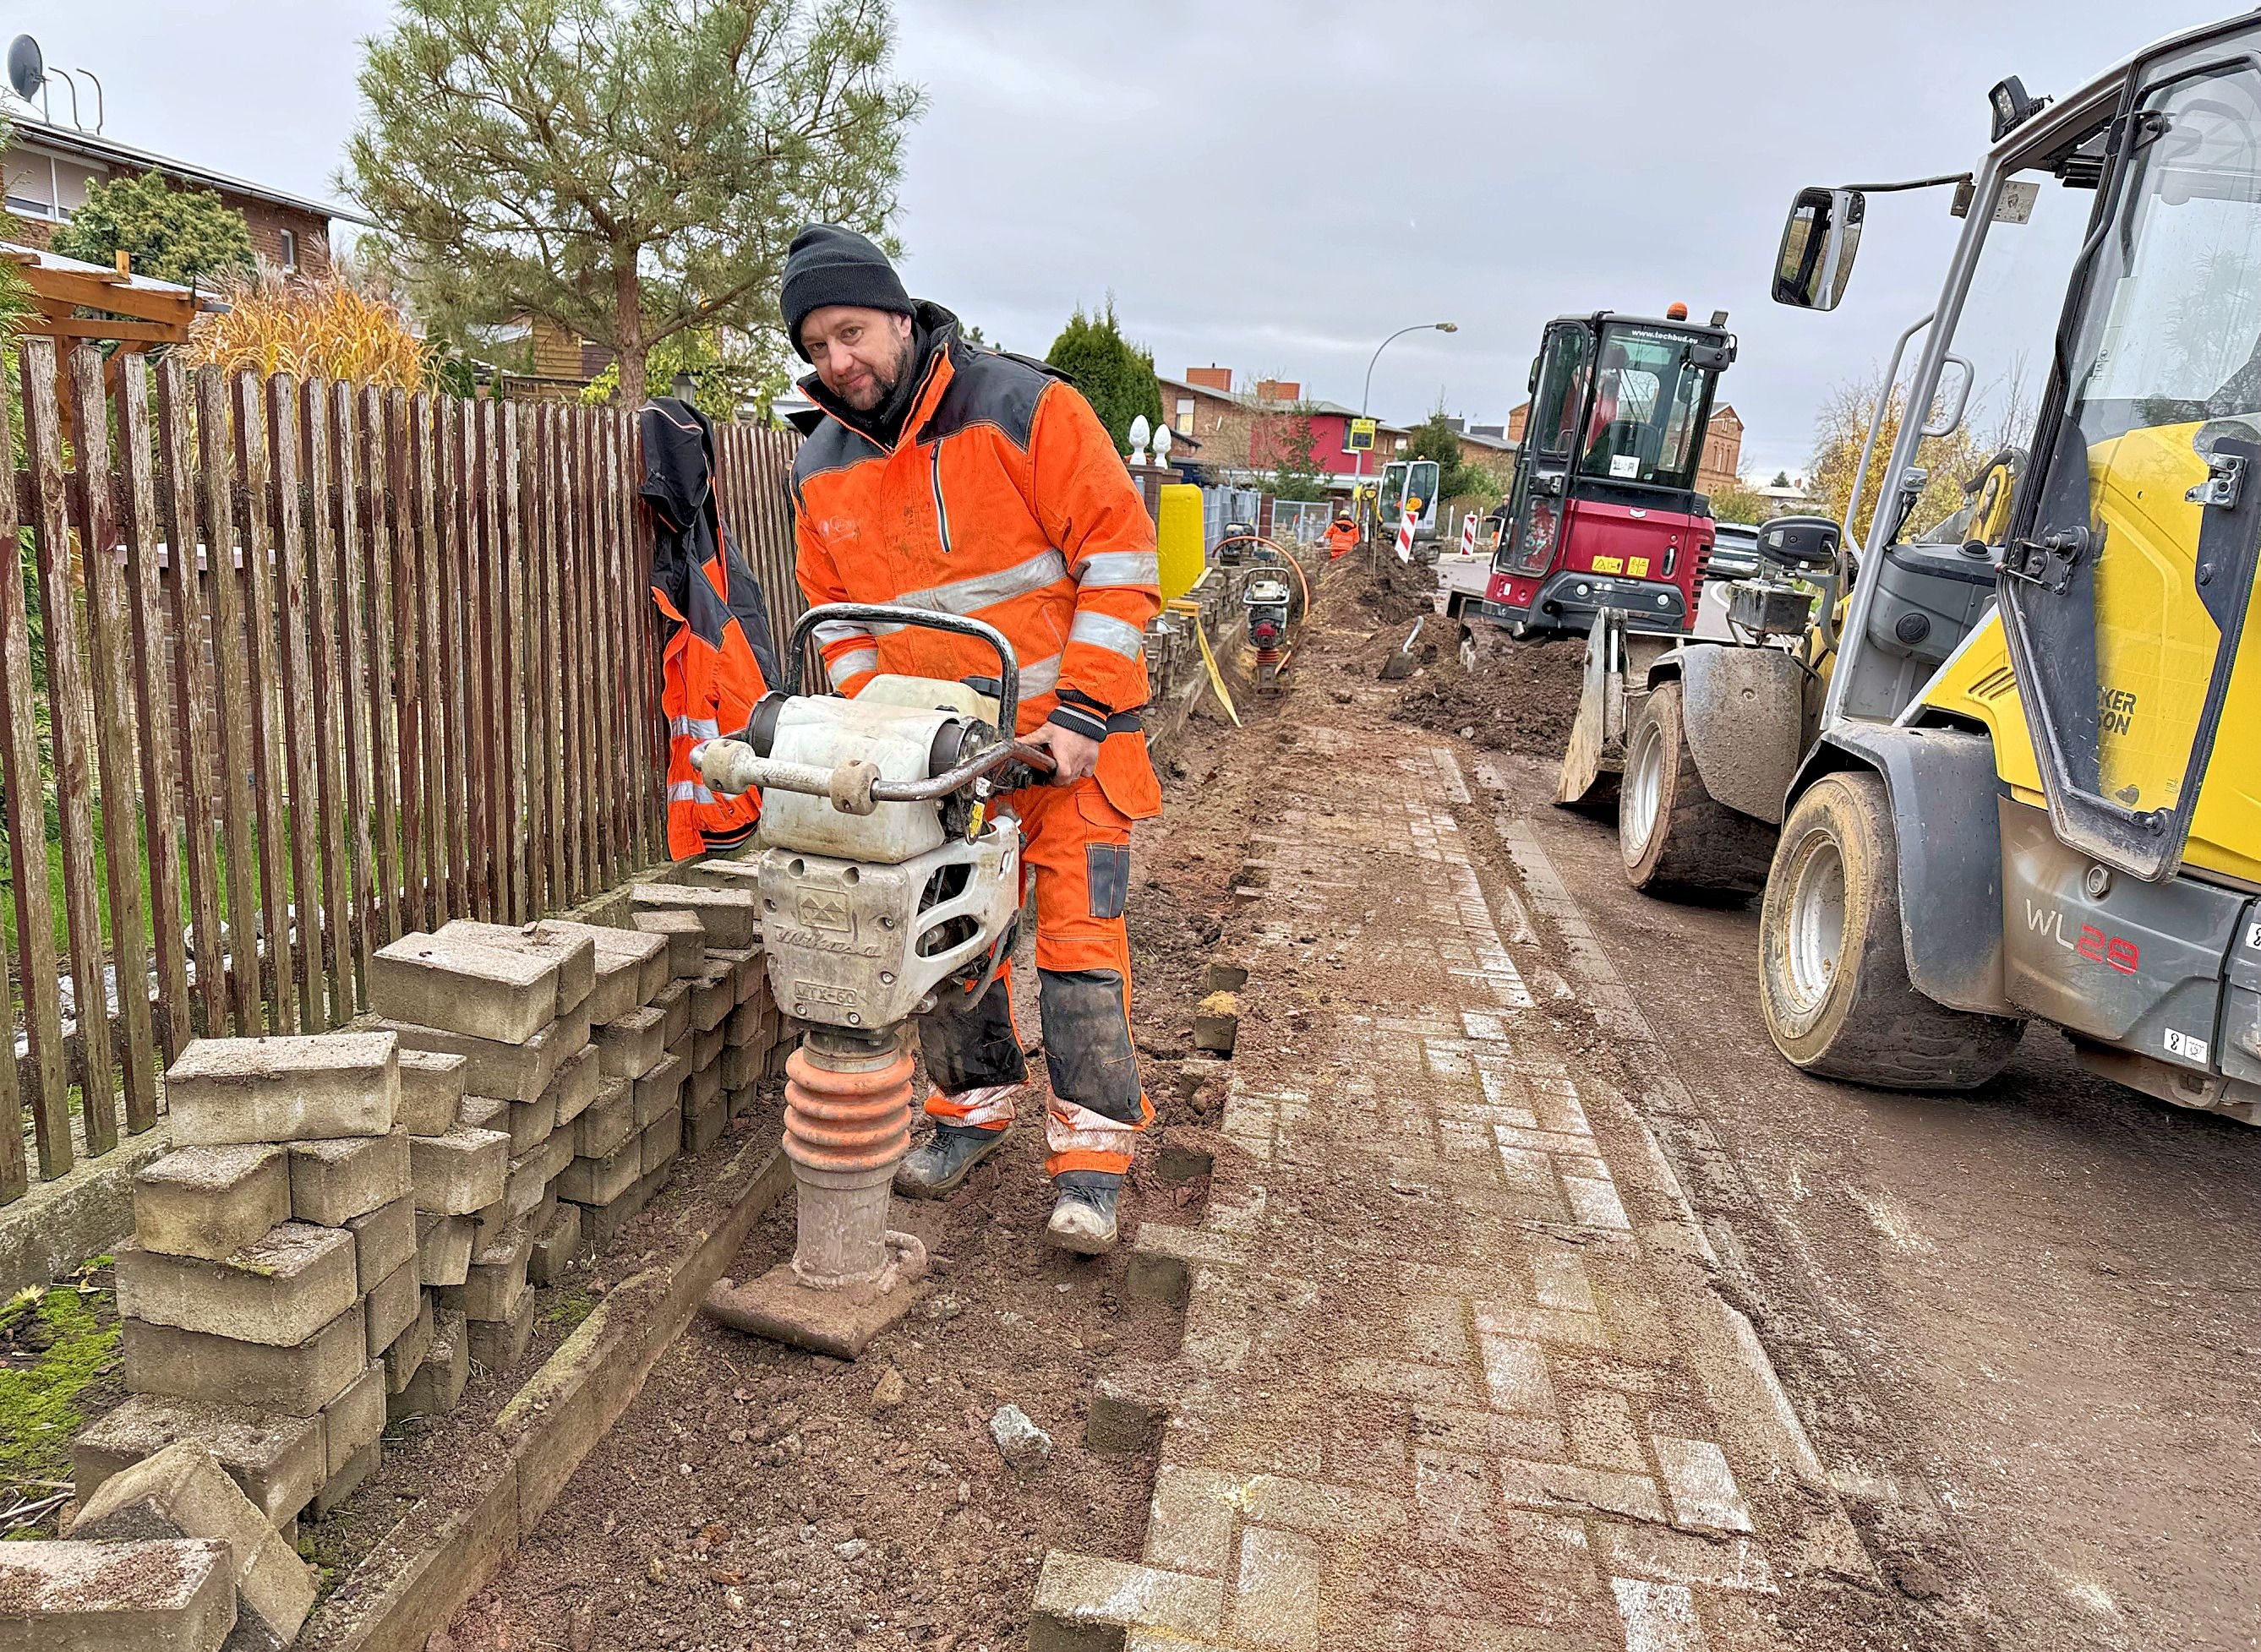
(629, 169)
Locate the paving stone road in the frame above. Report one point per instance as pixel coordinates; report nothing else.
(1455, 1372)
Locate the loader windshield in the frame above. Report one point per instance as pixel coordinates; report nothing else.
(1645, 424)
(2134, 572)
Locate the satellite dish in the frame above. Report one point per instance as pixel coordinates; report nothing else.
(27, 69)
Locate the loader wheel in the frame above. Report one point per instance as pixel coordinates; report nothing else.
(1670, 833)
(1833, 965)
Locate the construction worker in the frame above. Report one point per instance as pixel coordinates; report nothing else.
(968, 482)
(1342, 535)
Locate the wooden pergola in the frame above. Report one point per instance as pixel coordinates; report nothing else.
(135, 313)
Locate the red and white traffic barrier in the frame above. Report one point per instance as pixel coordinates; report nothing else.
(1405, 535)
(1469, 535)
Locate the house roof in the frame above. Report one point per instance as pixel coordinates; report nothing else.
(1241, 399)
(69, 140)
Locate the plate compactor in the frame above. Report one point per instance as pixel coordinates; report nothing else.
(890, 883)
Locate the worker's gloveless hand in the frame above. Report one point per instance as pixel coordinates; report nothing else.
(1075, 755)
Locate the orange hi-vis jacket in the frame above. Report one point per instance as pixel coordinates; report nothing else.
(1004, 499)
(716, 659)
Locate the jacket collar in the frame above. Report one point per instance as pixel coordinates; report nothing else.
(943, 348)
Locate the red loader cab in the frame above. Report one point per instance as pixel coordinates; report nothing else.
(1604, 513)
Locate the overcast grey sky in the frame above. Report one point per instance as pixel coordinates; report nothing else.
(1274, 186)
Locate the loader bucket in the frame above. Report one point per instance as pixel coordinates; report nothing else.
(1595, 752)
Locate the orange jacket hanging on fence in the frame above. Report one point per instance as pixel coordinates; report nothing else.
(717, 657)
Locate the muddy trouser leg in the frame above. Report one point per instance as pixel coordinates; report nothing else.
(973, 1058)
(1079, 851)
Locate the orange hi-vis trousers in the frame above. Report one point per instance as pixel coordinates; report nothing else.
(1078, 850)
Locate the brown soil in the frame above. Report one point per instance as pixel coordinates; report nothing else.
(1522, 696)
(758, 1497)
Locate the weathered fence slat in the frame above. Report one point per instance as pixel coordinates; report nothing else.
(511, 561)
(70, 709)
(323, 604)
(110, 681)
(437, 900)
(192, 705)
(493, 683)
(254, 479)
(157, 746)
(456, 694)
(27, 861)
(570, 635)
(555, 715)
(384, 687)
(301, 801)
(408, 680)
(604, 568)
(235, 710)
(336, 414)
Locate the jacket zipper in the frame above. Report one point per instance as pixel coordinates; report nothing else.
(941, 512)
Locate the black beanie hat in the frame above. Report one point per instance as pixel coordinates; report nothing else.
(829, 265)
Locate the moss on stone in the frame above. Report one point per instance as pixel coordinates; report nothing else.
(568, 1308)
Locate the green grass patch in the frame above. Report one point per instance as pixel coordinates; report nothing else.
(59, 1357)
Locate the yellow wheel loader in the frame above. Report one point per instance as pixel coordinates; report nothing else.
(2017, 731)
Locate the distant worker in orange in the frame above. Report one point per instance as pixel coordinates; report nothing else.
(1342, 535)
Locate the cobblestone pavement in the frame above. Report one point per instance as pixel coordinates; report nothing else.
(1455, 1370)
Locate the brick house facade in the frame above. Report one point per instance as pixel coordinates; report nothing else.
(1242, 430)
(49, 167)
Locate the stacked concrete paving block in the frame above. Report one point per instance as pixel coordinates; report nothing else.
(274, 1268)
(621, 1157)
(722, 1025)
(513, 1006)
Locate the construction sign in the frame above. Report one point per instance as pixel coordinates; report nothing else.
(1360, 439)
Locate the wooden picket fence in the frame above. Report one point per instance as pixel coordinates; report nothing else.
(303, 667)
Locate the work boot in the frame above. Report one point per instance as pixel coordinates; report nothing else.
(935, 1171)
(1083, 1218)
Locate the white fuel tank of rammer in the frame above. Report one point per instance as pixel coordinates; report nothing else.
(893, 724)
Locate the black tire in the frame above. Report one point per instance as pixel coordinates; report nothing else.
(1833, 964)
(1672, 834)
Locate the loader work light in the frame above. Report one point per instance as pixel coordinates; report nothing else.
(2013, 106)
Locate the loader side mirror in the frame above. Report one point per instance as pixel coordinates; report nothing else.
(1819, 244)
(1710, 358)
(1800, 543)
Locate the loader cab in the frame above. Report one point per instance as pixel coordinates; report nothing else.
(2084, 492)
(1406, 479)
(1604, 512)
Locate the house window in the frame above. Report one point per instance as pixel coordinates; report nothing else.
(289, 251)
(1185, 416)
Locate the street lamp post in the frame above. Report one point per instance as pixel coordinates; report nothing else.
(1363, 395)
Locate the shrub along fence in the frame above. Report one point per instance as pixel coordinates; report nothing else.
(293, 669)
